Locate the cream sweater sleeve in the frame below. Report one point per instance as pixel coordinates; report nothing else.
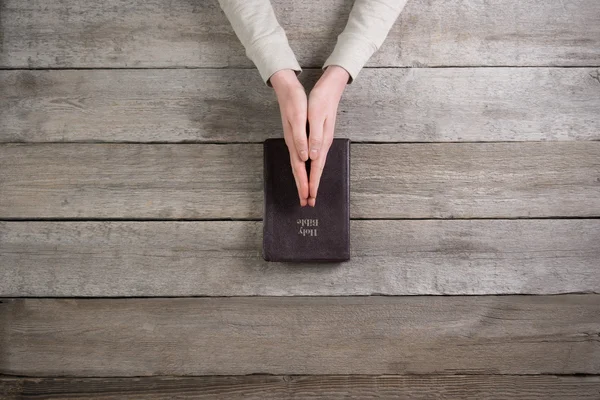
(368, 25)
(265, 41)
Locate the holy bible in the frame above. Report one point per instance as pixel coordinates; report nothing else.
(306, 234)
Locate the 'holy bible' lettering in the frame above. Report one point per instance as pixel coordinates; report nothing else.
(308, 226)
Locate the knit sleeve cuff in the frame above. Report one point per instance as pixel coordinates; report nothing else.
(351, 52)
(273, 53)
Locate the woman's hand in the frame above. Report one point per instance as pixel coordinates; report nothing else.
(293, 106)
(323, 103)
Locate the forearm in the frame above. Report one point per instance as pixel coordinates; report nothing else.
(264, 40)
(368, 25)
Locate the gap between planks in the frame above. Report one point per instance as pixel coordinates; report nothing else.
(330, 387)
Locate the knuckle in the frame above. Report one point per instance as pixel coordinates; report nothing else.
(316, 141)
(299, 143)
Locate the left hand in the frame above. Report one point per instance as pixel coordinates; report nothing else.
(323, 103)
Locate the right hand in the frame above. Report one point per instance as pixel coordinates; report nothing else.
(293, 105)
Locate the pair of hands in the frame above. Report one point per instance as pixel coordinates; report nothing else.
(319, 110)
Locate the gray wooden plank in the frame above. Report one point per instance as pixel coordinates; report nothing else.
(301, 335)
(140, 33)
(466, 180)
(222, 258)
(267, 387)
(419, 104)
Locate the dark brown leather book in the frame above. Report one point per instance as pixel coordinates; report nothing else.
(306, 234)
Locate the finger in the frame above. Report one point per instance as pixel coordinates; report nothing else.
(298, 166)
(315, 139)
(298, 124)
(299, 171)
(316, 170)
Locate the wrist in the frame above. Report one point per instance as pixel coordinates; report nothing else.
(337, 74)
(284, 78)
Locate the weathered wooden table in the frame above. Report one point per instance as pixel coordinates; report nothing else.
(131, 206)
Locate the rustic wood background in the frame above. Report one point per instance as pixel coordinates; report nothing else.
(131, 201)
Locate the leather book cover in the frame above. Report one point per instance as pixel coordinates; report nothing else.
(306, 234)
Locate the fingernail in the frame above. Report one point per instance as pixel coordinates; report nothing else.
(313, 152)
(303, 155)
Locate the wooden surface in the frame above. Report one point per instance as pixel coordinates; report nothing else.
(131, 172)
(141, 33)
(222, 258)
(221, 105)
(301, 335)
(458, 180)
(266, 387)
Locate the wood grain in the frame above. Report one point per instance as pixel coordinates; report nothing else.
(398, 105)
(301, 335)
(141, 33)
(222, 258)
(196, 181)
(446, 346)
(266, 387)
